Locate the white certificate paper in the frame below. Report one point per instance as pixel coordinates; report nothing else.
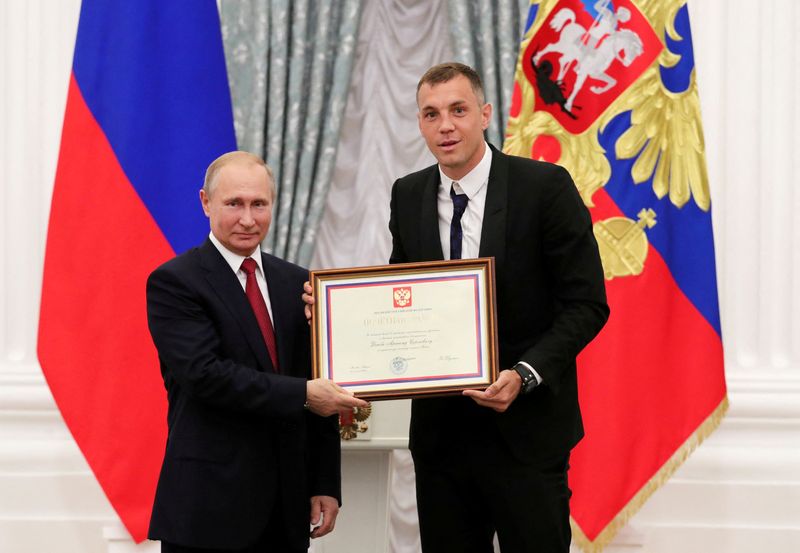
(404, 330)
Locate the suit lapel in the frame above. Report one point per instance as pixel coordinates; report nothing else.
(281, 299)
(431, 241)
(493, 234)
(227, 286)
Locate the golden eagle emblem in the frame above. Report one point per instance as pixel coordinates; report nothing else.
(351, 424)
(664, 141)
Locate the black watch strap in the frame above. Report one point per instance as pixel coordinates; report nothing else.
(529, 381)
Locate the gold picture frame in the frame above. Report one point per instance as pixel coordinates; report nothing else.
(406, 330)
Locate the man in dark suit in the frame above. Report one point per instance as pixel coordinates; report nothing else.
(496, 460)
(252, 453)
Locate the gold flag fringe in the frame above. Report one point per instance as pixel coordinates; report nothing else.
(605, 537)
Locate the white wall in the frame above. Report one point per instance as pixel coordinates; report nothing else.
(739, 492)
(48, 499)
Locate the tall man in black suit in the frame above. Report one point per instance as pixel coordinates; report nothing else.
(252, 454)
(497, 460)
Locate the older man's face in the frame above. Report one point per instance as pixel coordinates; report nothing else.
(239, 206)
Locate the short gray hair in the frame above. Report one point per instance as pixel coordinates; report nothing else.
(238, 156)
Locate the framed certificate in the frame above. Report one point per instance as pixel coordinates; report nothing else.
(406, 330)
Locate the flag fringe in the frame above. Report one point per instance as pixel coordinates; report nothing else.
(605, 537)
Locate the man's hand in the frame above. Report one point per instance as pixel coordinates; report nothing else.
(323, 515)
(499, 395)
(325, 397)
(308, 298)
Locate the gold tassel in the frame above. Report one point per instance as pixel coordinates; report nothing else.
(605, 537)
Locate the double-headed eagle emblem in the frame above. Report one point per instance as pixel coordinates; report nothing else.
(402, 297)
(355, 423)
(583, 67)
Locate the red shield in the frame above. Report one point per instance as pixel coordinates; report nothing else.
(401, 297)
(580, 62)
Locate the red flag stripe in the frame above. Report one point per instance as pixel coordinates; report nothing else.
(91, 288)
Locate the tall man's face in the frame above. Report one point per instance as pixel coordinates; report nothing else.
(239, 206)
(452, 121)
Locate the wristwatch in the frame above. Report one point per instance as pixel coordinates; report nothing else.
(528, 379)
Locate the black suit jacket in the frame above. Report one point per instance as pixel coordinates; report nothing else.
(550, 301)
(240, 447)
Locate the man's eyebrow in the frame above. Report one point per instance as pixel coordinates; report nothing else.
(456, 103)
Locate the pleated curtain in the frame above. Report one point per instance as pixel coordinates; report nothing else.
(289, 65)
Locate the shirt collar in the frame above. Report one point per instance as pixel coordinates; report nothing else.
(234, 259)
(473, 181)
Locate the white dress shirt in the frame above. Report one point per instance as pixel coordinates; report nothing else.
(235, 261)
(474, 184)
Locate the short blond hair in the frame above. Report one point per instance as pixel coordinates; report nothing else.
(240, 157)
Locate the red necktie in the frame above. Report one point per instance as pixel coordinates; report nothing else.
(260, 309)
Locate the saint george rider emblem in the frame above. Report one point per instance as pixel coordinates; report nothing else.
(585, 55)
(596, 91)
(402, 297)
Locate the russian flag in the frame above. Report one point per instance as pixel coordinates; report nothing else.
(652, 383)
(148, 109)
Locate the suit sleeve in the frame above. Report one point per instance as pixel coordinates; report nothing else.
(575, 279)
(325, 474)
(324, 445)
(188, 345)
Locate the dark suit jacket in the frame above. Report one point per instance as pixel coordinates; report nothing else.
(550, 301)
(240, 448)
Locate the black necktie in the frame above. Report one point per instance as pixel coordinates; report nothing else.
(456, 234)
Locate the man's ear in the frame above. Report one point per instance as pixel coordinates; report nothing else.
(204, 201)
(486, 115)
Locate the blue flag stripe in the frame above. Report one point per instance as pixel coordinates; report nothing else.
(678, 78)
(153, 75)
(682, 236)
